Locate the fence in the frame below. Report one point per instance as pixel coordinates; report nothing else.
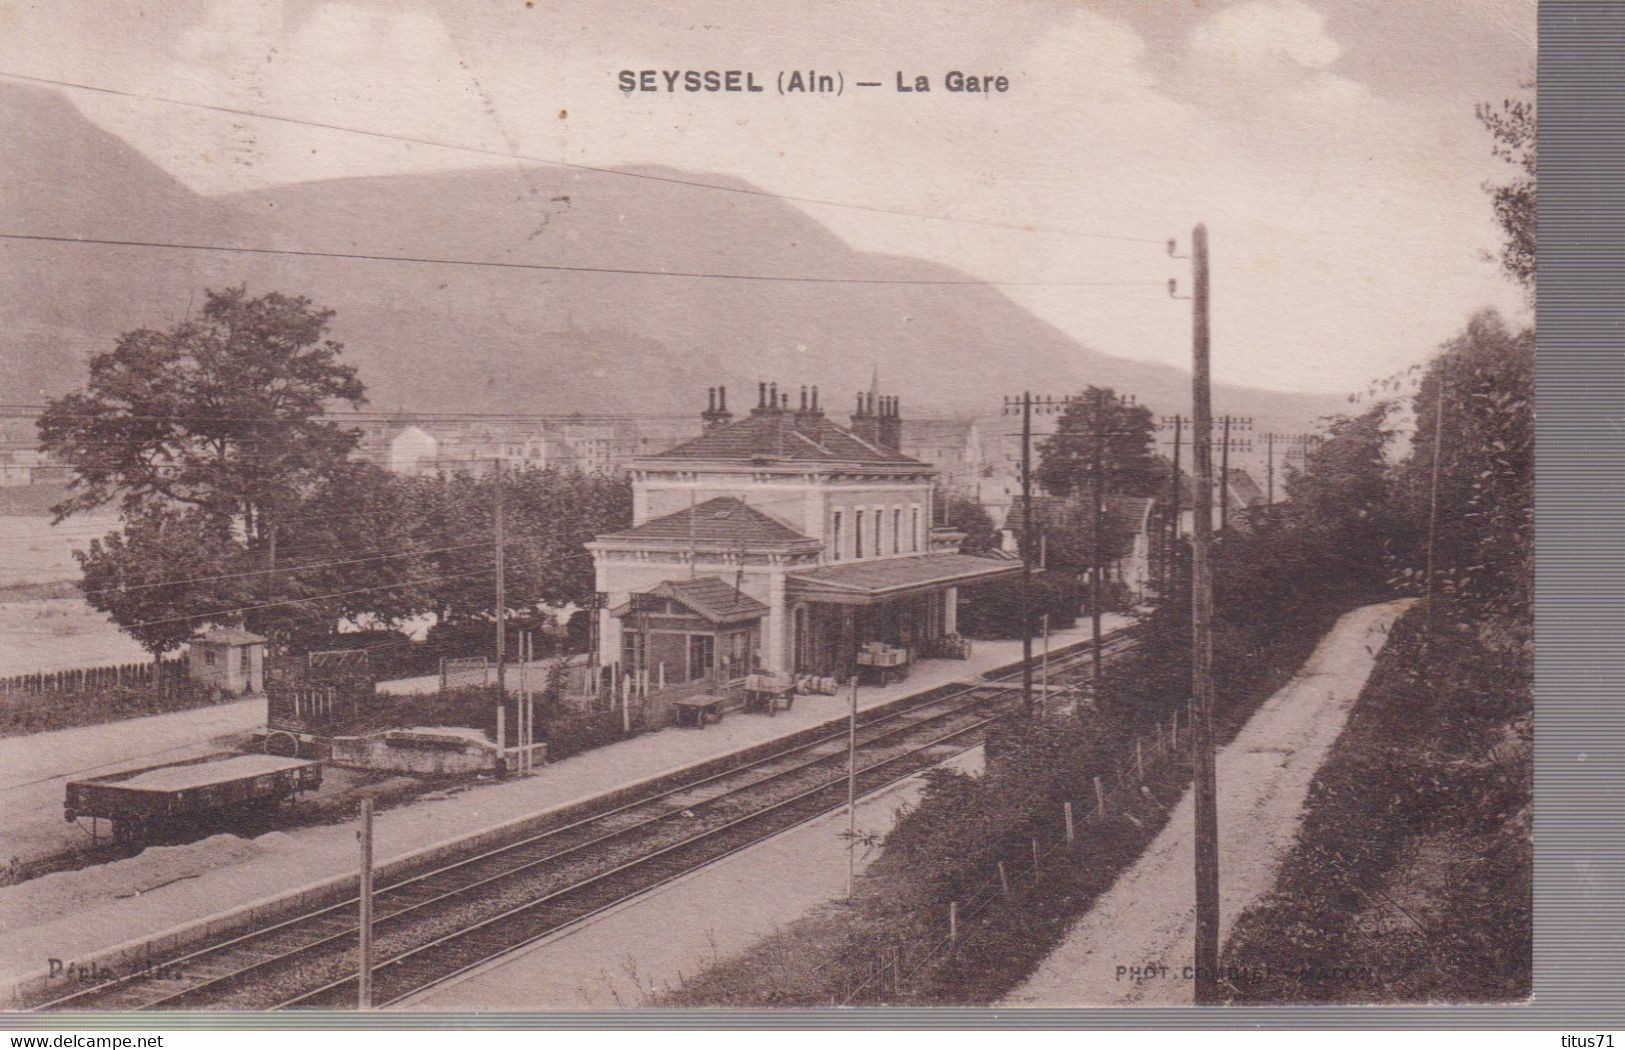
(90, 679)
(885, 972)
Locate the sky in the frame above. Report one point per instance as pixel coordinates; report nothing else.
(1329, 145)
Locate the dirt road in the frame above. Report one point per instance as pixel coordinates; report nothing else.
(1146, 919)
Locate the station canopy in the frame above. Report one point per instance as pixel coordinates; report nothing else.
(868, 582)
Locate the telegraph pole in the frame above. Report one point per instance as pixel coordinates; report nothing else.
(364, 981)
(502, 594)
(1097, 468)
(1026, 549)
(1206, 781)
(1433, 500)
(1299, 442)
(1224, 466)
(1269, 469)
(1175, 502)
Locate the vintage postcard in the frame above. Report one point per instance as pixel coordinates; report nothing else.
(555, 505)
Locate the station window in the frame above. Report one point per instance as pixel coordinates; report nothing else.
(897, 532)
(835, 538)
(880, 523)
(914, 534)
(857, 534)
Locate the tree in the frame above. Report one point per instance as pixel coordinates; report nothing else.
(960, 511)
(549, 515)
(1125, 434)
(1484, 547)
(1513, 125)
(214, 429)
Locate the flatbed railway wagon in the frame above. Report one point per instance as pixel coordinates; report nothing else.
(203, 791)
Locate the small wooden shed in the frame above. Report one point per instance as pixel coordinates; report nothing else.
(228, 659)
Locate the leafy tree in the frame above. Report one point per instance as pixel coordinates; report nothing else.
(548, 516)
(963, 512)
(214, 429)
(1125, 435)
(1513, 125)
(1484, 545)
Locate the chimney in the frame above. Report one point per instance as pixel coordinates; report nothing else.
(865, 424)
(889, 425)
(809, 415)
(716, 412)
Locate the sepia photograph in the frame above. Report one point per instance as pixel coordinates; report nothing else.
(554, 505)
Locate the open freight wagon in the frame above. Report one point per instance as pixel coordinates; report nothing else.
(206, 791)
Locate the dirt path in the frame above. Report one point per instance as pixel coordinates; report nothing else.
(1146, 919)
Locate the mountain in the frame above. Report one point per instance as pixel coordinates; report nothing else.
(463, 338)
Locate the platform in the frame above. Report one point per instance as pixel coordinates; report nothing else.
(76, 914)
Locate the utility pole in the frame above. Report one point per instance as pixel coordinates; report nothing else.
(1026, 406)
(1206, 785)
(1097, 470)
(502, 594)
(364, 983)
(1269, 469)
(852, 790)
(1099, 431)
(1433, 501)
(1241, 445)
(1176, 501)
(1291, 442)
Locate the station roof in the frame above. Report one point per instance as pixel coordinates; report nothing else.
(705, 596)
(784, 435)
(723, 522)
(864, 582)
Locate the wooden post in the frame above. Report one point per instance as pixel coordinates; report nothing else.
(501, 582)
(1176, 728)
(1035, 858)
(953, 922)
(364, 984)
(1139, 761)
(502, 727)
(1026, 549)
(1100, 797)
(1066, 807)
(852, 790)
(1043, 691)
(1205, 779)
(1004, 879)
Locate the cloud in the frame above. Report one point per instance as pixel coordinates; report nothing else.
(1261, 32)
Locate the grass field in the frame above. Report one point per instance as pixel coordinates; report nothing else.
(44, 625)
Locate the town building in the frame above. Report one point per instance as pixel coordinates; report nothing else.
(953, 446)
(780, 541)
(1126, 535)
(227, 660)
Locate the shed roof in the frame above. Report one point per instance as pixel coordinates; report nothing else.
(228, 636)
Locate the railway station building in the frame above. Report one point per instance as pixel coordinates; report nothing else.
(783, 542)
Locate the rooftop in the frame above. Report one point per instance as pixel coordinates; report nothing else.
(891, 577)
(723, 522)
(784, 435)
(709, 597)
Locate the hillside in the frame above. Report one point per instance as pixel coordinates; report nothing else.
(482, 339)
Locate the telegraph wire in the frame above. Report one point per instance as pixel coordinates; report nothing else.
(575, 166)
(426, 260)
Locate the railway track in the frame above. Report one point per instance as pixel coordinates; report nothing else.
(435, 924)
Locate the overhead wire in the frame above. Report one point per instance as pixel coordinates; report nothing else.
(498, 264)
(507, 155)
